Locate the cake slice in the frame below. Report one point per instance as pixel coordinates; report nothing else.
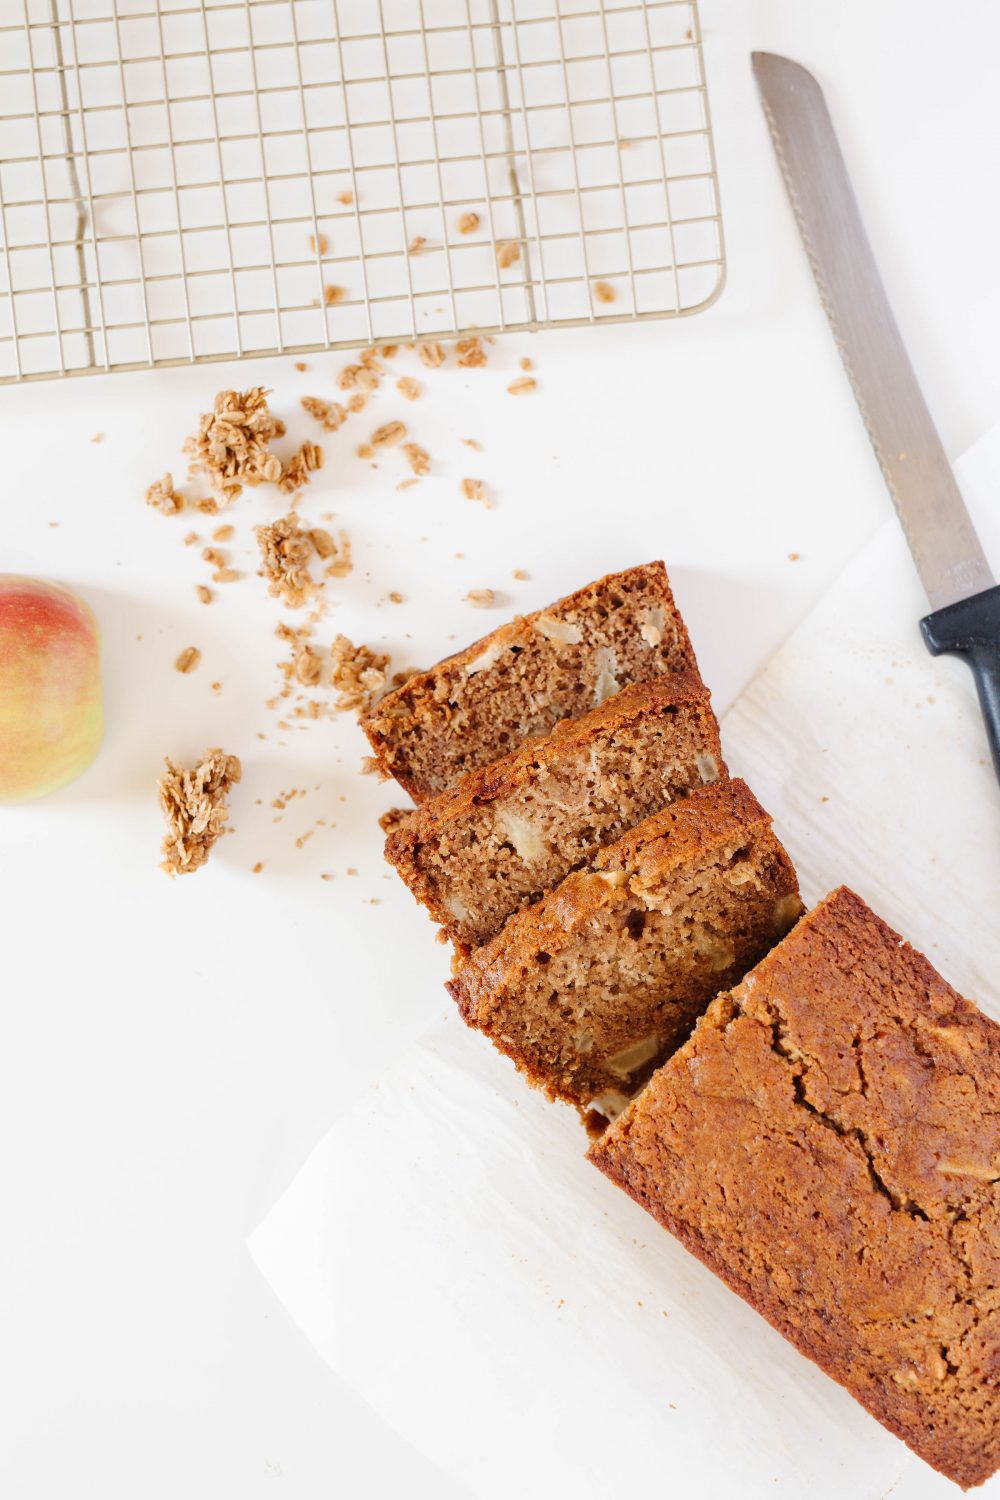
(526, 676)
(589, 990)
(828, 1142)
(510, 831)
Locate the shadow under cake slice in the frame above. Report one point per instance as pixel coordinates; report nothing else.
(512, 830)
(828, 1143)
(522, 679)
(589, 990)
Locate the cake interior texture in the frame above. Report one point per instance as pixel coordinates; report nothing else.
(828, 1142)
(513, 830)
(522, 679)
(589, 990)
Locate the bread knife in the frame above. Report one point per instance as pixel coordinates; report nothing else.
(953, 568)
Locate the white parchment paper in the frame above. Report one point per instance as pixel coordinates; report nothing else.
(449, 1251)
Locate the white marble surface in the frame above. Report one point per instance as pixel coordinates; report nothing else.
(172, 1053)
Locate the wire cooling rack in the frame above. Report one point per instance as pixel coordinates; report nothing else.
(183, 182)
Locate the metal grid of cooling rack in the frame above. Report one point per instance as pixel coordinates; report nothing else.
(194, 181)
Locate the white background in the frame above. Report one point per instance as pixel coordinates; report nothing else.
(172, 1051)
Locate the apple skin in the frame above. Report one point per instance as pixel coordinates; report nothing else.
(51, 709)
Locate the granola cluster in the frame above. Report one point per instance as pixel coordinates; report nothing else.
(194, 805)
(164, 497)
(232, 444)
(285, 553)
(358, 674)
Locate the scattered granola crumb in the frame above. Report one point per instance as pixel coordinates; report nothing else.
(258, 867)
(480, 598)
(432, 355)
(523, 386)
(468, 223)
(164, 497)
(604, 291)
(301, 366)
(319, 242)
(794, 556)
(358, 673)
(508, 251)
(397, 598)
(231, 444)
(624, 144)
(207, 505)
(416, 244)
(216, 687)
(351, 870)
(357, 403)
(472, 443)
(527, 364)
(191, 538)
(347, 197)
(390, 432)
(194, 805)
(285, 550)
(418, 459)
(359, 377)
(188, 659)
(223, 533)
(296, 472)
(98, 437)
(330, 414)
(520, 575)
(204, 593)
(323, 542)
(225, 575)
(332, 294)
(389, 351)
(471, 354)
(308, 665)
(365, 451)
(214, 556)
(475, 489)
(409, 388)
(407, 484)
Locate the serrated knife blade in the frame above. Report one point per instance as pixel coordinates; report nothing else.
(942, 539)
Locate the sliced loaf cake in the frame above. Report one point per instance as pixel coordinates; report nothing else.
(512, 830)
(526, 676)
(590, 989)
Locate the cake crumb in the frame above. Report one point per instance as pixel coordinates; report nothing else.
(296, 472)
(194, 805)
(391, 820)
(604, 291)
(468, 223)
(409, 388)
(188, 659)
(285, 550)
(522, 387)
(417, 457)
(204, 593)
(358, 674)
(431, 354)
(231, 444)
(508, 252)
(481, 598)
(330, 414)
(164, 498)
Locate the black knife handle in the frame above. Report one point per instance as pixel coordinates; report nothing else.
(971, 628)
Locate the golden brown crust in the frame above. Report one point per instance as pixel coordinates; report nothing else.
(411, 728)
(828, 1142)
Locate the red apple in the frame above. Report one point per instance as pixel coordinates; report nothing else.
(51, 712)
